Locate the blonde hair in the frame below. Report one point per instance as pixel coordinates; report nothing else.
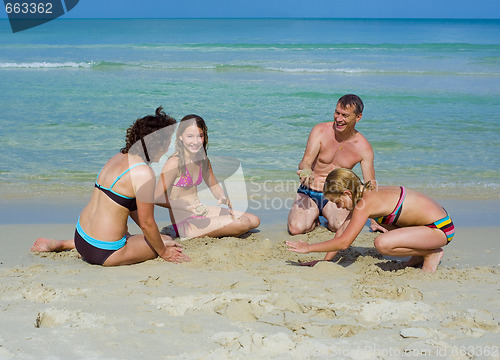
(340, 180)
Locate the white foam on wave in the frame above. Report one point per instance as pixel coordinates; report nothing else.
(318, 70)
(46, 65)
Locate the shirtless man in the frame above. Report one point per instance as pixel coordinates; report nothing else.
(331, 145)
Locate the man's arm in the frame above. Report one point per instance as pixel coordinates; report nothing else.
(313, 147)
(311, 153)
(368, 170)
(367, 163)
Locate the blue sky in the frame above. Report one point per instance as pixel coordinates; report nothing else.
(488, 9)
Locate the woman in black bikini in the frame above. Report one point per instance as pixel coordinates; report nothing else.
(125, 187)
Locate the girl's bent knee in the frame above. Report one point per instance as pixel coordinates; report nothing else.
(381, 245)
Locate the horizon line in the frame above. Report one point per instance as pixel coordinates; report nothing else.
(267, 18)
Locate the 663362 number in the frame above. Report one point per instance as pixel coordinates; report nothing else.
(28, 8)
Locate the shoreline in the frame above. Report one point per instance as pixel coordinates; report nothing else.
(273, 211)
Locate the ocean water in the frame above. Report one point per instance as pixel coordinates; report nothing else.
(431, 88)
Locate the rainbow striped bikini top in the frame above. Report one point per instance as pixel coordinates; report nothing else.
(393, 217)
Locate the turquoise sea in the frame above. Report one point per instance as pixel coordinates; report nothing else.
(431, 88)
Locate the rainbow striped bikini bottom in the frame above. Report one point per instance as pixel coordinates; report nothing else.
(445, 225)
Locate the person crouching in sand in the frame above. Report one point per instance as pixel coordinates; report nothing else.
(415, 225)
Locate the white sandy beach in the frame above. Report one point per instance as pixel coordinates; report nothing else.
(246, 298)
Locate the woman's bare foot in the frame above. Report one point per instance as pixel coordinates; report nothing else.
(431, 261)
(415, 261)
(45, 245)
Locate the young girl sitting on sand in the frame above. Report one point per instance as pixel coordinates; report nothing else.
(181, 175)
(414, 224)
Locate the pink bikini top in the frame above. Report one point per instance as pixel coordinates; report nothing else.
(187, 181)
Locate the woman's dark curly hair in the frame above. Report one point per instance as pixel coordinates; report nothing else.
(143, 127)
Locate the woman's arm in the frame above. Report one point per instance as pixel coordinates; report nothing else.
(341, 242)
(331, 254)
(144, 188)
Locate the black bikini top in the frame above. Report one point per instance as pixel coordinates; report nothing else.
(125, 201)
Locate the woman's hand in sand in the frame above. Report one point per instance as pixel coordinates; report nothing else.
(173, 253)
(167, 240)
(298, 246)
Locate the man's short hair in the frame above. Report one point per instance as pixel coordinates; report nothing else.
(352, 100)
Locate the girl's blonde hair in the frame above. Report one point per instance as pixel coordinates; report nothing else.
(340, 180)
